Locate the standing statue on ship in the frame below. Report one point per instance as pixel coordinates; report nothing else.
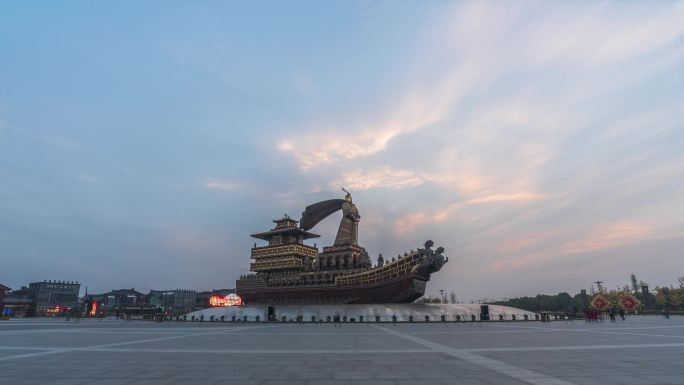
(288, 271)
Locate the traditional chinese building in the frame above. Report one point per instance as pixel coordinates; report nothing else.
(285, 251)
(115, 302)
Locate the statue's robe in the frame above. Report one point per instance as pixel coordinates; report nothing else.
(347, 233)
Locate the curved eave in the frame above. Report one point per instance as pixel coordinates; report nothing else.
(294, 231)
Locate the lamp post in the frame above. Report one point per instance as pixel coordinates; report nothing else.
(598, 285)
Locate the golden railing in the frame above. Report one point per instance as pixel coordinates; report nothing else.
(396, 269)
(269, 251)
(276, 263)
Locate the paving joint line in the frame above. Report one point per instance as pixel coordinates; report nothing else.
(351, 351)
(173, 337)
(223, 351)
(521, 374)
(583, 330)
(63, 350)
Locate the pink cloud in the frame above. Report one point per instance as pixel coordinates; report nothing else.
(516, 197)
(605, 236)
(596, 238)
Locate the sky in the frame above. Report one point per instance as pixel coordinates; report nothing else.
(540, 143)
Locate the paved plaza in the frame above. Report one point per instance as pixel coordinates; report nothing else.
(641, 350)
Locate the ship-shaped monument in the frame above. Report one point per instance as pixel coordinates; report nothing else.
(288, 271)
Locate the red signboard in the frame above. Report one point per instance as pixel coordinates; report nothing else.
(229, 300)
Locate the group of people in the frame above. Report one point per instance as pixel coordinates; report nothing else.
(597, 315)
(612, 311)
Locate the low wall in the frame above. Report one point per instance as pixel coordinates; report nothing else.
(363, 313)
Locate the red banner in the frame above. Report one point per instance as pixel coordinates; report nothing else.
(600, 302)
(629, 302)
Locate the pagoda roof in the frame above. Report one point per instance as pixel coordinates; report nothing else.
(266, 235)
(285, 219)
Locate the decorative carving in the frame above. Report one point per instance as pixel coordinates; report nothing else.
(307, 263)
(432, 261)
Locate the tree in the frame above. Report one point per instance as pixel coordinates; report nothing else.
(681, 282)
(452, 296)
(676, 297)
(635, 283)
(661, 295)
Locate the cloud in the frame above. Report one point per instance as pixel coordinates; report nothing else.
(218, 184)
(303, 85)
(517, 197)
(609, 235)
(411, 221)
(193, 241)
(362, 139)
(478, 37)
(444, 213)
(420, 107)
(383, 177)
(603, 35)
(574, 36)
(56, 140)
(53, 139)
(550, 246)
(87, 178)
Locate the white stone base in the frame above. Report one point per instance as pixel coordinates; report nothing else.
(386, 312)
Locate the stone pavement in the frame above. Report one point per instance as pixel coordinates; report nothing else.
(642, 350)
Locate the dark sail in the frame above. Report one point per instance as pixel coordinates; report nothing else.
(318, 211)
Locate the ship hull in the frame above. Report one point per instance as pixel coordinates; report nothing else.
(403, 289)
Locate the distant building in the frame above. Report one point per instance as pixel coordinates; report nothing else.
(17, 303)
(174, 302)
(53, 297)
(647, 296)
(202, 301)
(584, 297)
(3, 291)
(115, 302)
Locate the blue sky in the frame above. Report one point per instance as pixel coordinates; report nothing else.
(539, 142)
